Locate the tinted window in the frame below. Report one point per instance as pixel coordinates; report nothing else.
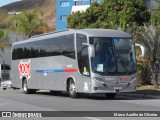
(14, 53)
(82, 54)
(63, 45)
(68, 46)
(5, 67)
(56, 46)
(34, 50)
(20, 52)
(26, 51)
(44, 48)
(80, 38)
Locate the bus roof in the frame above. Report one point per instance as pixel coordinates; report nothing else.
(104, 33)
(88, 32)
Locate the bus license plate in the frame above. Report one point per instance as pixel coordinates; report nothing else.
(117, 88)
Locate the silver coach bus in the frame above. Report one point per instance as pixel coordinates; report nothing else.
(77, 61)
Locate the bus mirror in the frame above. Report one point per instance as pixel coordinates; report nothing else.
(143, 49)
(91, 49)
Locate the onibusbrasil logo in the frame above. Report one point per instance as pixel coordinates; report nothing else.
(24, 69)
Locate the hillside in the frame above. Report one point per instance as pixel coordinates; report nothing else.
(48, 8)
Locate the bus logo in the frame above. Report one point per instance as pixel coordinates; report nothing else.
(123, 79)
(24, 69)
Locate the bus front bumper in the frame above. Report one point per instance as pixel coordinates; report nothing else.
(114, 89)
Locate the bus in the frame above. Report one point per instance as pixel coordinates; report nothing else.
(90, 61)
(5, 78)
(4, 72)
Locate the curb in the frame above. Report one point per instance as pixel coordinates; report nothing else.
(139, 95)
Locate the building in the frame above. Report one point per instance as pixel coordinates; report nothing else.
(66, 7)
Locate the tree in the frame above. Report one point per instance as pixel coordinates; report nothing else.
(91, 18)
(28, 23)
(112, 14)
(3, 43)
(1, 34)
(151, 39)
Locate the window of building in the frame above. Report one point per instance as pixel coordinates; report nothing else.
(64, 3)
(78, 3)
(93, 1)
(63, 17)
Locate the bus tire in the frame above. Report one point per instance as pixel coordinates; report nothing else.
(110, 95)
(72, 90)
(25, 88)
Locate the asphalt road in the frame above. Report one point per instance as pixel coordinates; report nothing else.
(16, 100)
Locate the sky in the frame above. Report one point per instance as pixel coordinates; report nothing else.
(5, 2)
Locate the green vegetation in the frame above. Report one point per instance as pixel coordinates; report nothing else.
(1, 34)
(3, 43)
(151, 39)
(112, 14)
(28, 22)
(148, 90)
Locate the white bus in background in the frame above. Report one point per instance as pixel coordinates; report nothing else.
(5, 78)
(78, 61)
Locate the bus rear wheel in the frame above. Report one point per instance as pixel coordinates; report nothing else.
(25, 88)
(72, 90)
(110, 95)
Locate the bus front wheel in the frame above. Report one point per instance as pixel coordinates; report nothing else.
(72, 90)
(25, 88)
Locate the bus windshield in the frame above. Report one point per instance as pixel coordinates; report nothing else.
(113, 56)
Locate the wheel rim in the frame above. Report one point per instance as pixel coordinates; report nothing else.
(72, 89)
(25, 86)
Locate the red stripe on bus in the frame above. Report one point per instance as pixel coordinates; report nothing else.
(70, 70)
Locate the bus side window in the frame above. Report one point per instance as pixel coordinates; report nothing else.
(14, 54)
(27, 51)
(82, 55)
(84, 62)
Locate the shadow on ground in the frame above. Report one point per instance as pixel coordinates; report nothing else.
(89, 96)
(149, 92)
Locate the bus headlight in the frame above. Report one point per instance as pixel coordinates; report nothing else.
(99, 80)
(132, 80)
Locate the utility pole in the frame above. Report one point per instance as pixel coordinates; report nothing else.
(2, 59)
